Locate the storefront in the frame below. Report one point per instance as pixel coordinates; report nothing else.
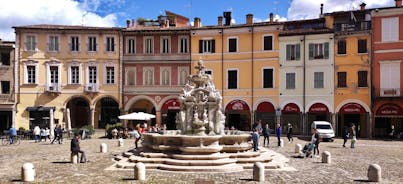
(353, 113)
(168, 112)
(317, 112)
(237, 114)
(387, 115)
(40, 116)
(265, 111)
(292, 114)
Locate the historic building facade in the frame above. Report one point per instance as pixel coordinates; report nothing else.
(7, 95)
(67, 75)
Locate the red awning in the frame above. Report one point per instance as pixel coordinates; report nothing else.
(265, 107)
(171, 104)
(291, 108)
(237, 105)
(318, 108)
(352, 108)
(389, 109)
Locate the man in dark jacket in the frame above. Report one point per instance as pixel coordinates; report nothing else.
(278, 133)
(75, 148)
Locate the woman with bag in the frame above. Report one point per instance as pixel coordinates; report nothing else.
(353, 136)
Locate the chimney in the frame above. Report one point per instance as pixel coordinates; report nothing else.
(249, 19)
(398, 3)
(321, 9)
(133, 23)
(197, 22)
(271, 17)
(127, 23)
(219, 20)
(362, 5)
(227, 16)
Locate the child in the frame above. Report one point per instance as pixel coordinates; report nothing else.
(255, 139)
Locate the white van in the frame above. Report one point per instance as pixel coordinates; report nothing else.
(324, 128)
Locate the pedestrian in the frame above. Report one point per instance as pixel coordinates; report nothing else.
(315, 140)
(47, 133)
(345, 135)
(353, 136)
(43, 134)
(258, 126)
(55, 134)
(137, 137)
(13, 134)
(255, 139)
(37, 133)
(75, 148)
(392, 132)
(289, 133)
(60, 134)
(266, 134)
(278, 133)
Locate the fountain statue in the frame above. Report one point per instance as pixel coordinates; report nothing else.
(200, 112)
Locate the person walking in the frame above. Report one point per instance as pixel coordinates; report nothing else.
(47, 131)
(315, 140)
(255, 139)
(278, 133)
(345, 135)
(43, 134)
(353, 136)
(75, 148)
(55, 134)
(289, 133)
(37, 133)
(266, 134)
(13, 134)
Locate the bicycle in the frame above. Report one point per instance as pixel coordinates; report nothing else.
(6, 141)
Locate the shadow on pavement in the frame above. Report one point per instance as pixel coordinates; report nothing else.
(61, 162)
(364, 181)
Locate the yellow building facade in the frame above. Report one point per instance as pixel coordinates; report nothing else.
(67, 75)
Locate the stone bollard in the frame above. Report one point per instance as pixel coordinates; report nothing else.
(103, 148)
(120, 142)
(298, 148)
(140, 171)
(281, 143)
(27, 172)
(374, 173)
(326, 157)
(258, 171)
(74, 158)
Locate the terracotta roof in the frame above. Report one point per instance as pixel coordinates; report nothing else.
(64, 27)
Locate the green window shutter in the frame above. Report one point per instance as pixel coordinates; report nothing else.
(200, 46)
(311, 51)
(297, 52)
(327, 50)
(288, 52)
(212, 46)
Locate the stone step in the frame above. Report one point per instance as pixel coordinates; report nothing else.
(254, 159)
(214, 156)
(218, 162)
(128, 165)
(145, 160)
(153, 155)
(246, 154)
(127, 154)
(269, 165)
(223, 168)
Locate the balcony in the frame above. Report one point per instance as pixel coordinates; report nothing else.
(53, 88)
(388, 92)
(91, 88)
(352, 26)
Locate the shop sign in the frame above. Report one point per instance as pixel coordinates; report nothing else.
(352, 108)
(265, 107)
(319, 108)
(171, 104)
(237, 105)
(389, 109)
(291, 108)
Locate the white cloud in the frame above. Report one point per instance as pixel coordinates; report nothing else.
(308, 9)
(65, 12)
(276, 17)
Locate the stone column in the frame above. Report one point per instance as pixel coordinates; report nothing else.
(258, 172)
(158, 118)
(326, 157)
(68, 119)
(13, 123)
(298, 148)
(92, 117)
(374, 173)
(140, 171)
(27, 172)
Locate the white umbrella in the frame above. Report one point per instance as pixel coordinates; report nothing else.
(137, 116)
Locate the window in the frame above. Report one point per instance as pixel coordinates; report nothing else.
(131, 76)
(318, 80)
(184, 42)
(206, 46)
(362, 46)
(292, 52)
(268, 78)
(53, 43)
(92, 75)
(75, 43)
(148, 77)
(232, 45)
(5, 87)
(267, 42)
(165, 76)
(183, 74)
(210, 72)
(390, 76)
(165, 45)
(74, 75)
(31, 74)
(92, 43)
(341, 47)
(341, 79)
(390, 29)
(362, 78)
(148, 45)
(290, 81)
(5, 58)
(232, 80)
(54, 74)
(110, 75)
(30, 43)
(318, 50)
(131, 46)
(110, 44)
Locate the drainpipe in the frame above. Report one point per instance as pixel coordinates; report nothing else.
(304, 91)
(222, 66)
(253, 78)
(371, 118)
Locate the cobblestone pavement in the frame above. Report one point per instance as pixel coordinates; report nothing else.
(52, 164)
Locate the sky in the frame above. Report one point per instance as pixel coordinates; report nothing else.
(114, 13)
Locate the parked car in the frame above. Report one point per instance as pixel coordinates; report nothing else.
(325, 129)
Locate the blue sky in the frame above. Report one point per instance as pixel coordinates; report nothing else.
(110, 13)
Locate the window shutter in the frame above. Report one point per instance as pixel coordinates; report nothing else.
(297, 52)
(288, 52)
(212, 46)
(327, 50)
(311, 47)
(200, 46)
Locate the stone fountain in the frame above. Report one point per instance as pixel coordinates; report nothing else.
(200, 142)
